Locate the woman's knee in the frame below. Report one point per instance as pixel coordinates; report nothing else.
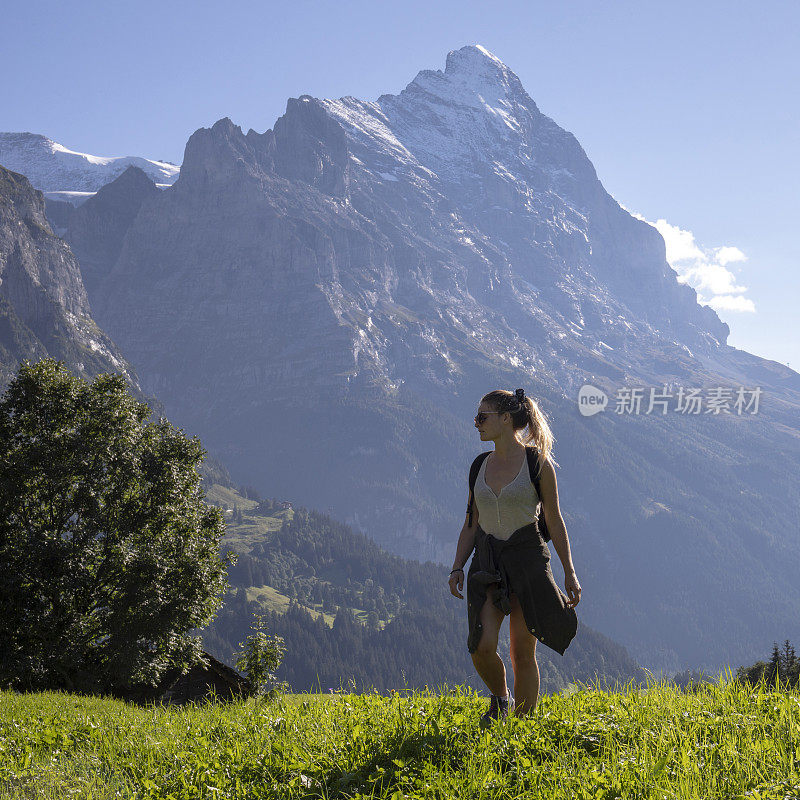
(523, 649)
(487, 644)
(491, 619)
(523, 642)
(523, 658)
(484, 650)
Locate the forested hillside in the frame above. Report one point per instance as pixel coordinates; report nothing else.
(349, 611)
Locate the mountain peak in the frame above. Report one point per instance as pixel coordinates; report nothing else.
(472, 77)
(132, 184)
(474, 59)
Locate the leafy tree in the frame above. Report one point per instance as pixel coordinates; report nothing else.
(260, 656)
(108, 554)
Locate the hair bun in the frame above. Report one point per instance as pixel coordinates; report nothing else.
(520, 393)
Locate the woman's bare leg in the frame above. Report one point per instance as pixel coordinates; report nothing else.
(523, 660)
(486, 660)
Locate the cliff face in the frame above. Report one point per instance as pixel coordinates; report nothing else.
(95, 230)
(325, 303)
(44, 309)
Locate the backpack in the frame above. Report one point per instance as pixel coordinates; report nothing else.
(532, 454)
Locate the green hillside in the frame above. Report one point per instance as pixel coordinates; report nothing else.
(349, 611)
(727, 740)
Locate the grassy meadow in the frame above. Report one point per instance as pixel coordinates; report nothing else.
(725, 740)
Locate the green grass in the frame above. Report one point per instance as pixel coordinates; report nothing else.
(727, 740)
(271, 599)
(254, 528)
(227, 497)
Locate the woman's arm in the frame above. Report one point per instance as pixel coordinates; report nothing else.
(466, 539)
(466, 544)
(552, 516)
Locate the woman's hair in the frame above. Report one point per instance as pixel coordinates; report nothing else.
(526, 414)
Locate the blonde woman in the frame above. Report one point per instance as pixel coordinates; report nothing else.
(507, 525)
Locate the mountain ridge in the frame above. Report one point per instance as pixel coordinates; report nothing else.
(68, 175)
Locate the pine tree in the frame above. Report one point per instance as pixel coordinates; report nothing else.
(789, 662)
(788, 657)
(775, 667)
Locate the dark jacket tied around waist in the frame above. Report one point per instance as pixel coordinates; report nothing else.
(520, 564)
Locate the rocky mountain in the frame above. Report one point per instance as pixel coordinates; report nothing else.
(325, 303)
(102, 221)
(44, 310)
(67, 175)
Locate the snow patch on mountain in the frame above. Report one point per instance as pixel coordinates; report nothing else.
(444, 119)
(70, 175)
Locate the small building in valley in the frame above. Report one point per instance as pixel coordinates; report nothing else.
(200, 682)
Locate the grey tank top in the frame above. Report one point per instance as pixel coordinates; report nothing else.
(515, 506)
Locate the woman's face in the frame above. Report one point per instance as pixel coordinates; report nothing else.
(491, 424)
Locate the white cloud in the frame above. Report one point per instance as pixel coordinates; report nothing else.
(727, 254)
(731, 302)
(705, 269)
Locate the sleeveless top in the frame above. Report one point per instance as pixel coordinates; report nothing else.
(515, 507)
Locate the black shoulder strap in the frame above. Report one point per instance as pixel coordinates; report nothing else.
(473, 476)
(535, 470)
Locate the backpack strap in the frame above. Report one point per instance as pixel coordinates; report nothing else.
(473, 476)
(535, 470)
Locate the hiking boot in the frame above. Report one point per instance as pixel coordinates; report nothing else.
(498, 709)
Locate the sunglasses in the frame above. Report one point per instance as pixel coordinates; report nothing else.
(481, 416)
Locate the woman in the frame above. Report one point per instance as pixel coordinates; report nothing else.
(511, 564)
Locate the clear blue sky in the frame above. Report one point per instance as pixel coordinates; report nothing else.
(689, 111)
